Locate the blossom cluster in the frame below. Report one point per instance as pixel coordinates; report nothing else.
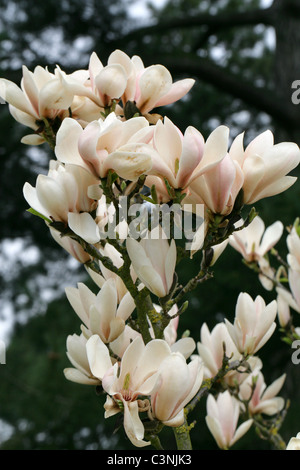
(109, 143)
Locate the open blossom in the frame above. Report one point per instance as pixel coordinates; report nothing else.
(42, 95)
(135, 377)
(153, 260)
(222, 419)
(253, 323)
(104, 145)
(77, 355)
(265, 165)
(263, 399)
(62, 196)
(218, 187)
(101, 314)
(125, 79)
(178, 382)
(183, 158)
(254, 242)
(212, 347)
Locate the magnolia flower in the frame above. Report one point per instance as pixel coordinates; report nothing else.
(265, 165)
(42, 95)
(71, 246)
(222, 419)
(218, 187)
(101, 313)
(149, 87)
(213, 346)
(262, 399)
(153, 260)
(253, 241)
(294, 443)
(183, 158)
(178, 382)
(127, 382)
(77, 354)
(62, 196)
(104, 145)
(253, 323)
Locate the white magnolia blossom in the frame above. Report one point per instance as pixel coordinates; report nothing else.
(254, 242)
(222, 419)
(262, 399)
(77, 355)
(153, 260)
(178, 382)
(62, 196)
(181, 158)
(101, 314)
(110, 144)
(265, 165)
(253, 323)
(212, 347)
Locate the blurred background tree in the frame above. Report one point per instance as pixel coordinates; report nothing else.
(244, 56)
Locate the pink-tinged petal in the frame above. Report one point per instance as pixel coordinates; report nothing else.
(254, 171)
(75, 375)
(130, 161)
(120, 57)
(271, 237)
(54, 95)
(11, 93)
(236, 150)
(84, 226)
(260, 144)
(216, 430)
(98, 356)
(74, 298)
(111, 82)
(30, 88)
(241, 431)
(30, 194)
(126, 306)
(24, 118)
(95, 66)
(192, 152)
(215, 149)
(185, 346)
(133, 425)
(272, 189)
(67, 138)
(32, 139)
(274, 388)
(154, 83)
(177, 91)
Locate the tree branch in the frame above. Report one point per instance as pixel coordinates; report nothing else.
(226, 81)
(219, 21)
